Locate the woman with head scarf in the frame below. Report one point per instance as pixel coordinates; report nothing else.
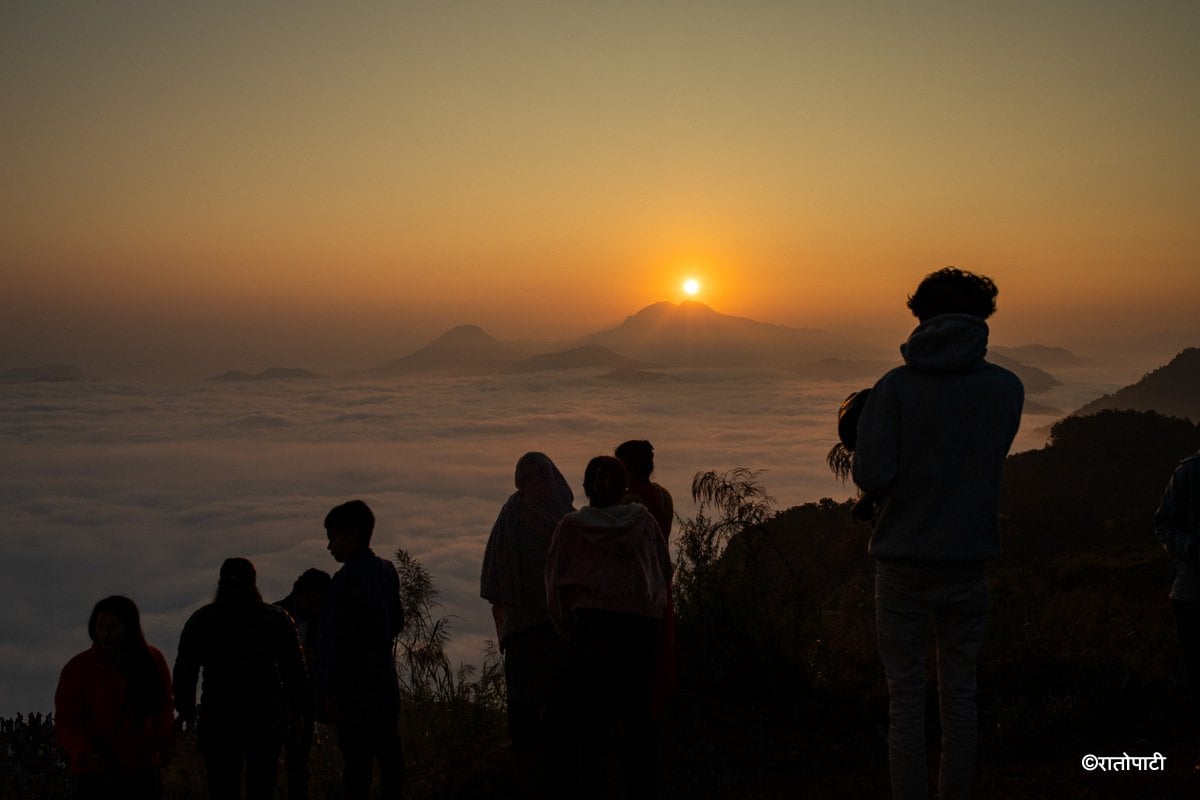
(513, 580)
(113, 708)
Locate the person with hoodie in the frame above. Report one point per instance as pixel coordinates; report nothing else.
(112, 709)
(607, 576)
(513, 579)
(255, 685)
(932, 440)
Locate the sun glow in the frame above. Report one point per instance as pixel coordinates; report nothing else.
(691, 287)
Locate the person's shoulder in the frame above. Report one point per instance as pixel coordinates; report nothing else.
(80, 661)
(159, 658)
(201, 614)
(1190, 464)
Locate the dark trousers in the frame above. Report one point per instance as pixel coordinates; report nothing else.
(224, 769)
(1187, 619)
(366, 738)
(295, 756)
(143, 785)
(531, 664)
(604, 698)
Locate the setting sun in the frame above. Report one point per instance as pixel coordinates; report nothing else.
(691, 287)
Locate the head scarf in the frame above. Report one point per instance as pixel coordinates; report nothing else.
(514, 562)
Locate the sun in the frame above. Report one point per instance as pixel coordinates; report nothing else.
(691, 287)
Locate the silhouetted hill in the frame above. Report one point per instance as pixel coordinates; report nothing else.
(1080, 648)
(270, 374)
(43, 373)
(637, 376)
(692, 334)
(1173, 389)
(463, 350)
(591, 355)
(1035, 380)
(1040, 355)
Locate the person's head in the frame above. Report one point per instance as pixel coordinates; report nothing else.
(237, 582)
(310, 590)
(604, 481)
(953, 291)
(638, 457)
(115, 625)
(349, 528)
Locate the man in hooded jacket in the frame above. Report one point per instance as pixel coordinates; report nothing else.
(932, 440)
(607, 573)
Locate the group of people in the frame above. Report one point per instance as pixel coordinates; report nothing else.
(269, 671)
(581, 598)
(582, 605)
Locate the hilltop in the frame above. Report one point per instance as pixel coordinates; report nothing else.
(1173, 389)
(688, 334)
(691, 334)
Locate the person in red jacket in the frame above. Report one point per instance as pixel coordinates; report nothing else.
(112, 708)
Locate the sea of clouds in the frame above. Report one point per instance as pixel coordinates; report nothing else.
(143, 488)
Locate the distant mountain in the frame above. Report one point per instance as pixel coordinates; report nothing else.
(1173, 390)
(691, 334)
(1040, 355)
(637, 376)
(44, 373)
(1035, 380)
(270, 374)
(842, 370)
(589, 355)
(464, 350)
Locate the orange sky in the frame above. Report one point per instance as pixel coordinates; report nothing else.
(544, 169)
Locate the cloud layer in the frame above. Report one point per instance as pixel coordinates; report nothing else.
(143, 489)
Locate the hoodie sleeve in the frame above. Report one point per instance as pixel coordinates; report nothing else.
(1175, 521)
(554, 571)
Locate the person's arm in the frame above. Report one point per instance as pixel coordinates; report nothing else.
(554, 600)
(1175, 520)
(163, 720)
(187, 672)
(70, 702)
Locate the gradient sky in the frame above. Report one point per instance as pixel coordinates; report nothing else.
(287, 173)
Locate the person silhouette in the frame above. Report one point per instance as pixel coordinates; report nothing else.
(638, 457)
(607, 576)
(1177, 527)
(513, 579)
(112, 708)
(254, 689)
(931, 442)
(303, 604)
(357, 685)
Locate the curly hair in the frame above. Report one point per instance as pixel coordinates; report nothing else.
(953, 291)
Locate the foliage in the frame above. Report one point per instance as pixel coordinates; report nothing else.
(741, 502)
(424, 669)
(730, 635)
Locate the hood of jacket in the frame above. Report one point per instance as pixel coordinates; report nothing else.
(946, 343)
(618, 529)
